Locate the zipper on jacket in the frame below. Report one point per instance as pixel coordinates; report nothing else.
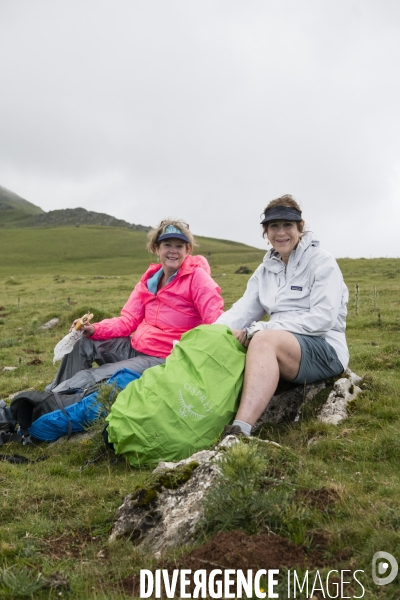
(157, 311)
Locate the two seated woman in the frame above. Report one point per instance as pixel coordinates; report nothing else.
(299, 286)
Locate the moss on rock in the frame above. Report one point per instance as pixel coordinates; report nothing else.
(171, 479)
(174, 478)
(144, 495)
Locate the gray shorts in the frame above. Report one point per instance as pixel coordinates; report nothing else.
(318, 359)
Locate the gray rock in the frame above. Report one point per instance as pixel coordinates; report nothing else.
(171, 518)
(286, 406)
(344, 391)
(243, 270)
(50, 324)
(200, 457)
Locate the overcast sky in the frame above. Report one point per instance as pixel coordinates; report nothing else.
(206, 110)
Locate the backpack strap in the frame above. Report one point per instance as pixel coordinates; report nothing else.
(17, 459)
(77, 397)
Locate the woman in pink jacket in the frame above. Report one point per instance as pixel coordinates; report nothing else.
(172, 297)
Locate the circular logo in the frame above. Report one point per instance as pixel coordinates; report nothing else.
(383, 568)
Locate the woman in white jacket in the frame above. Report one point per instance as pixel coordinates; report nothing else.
(302, 290)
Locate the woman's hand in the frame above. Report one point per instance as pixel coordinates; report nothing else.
(241, 336)
(87, 330)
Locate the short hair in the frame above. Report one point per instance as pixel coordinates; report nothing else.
(154, 234)
(286, 200)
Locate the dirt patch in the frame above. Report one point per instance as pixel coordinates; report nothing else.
(237, 550)
(320, 540)
(71, 544)
(31, 351)
(34, 362)
(322, 499)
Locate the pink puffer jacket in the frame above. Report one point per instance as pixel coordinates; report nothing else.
(192, 298)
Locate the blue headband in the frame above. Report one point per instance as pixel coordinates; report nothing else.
(170, 231)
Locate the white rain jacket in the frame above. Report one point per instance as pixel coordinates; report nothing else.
(308, 296)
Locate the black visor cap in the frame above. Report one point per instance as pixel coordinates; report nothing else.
(285, 213)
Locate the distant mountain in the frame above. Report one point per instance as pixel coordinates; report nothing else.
(17, 212)
(13, 208)
(77, 216)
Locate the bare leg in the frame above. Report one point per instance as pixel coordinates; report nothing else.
(271, 354)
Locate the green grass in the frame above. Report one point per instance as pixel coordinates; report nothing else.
(101, 251)
(56, 515)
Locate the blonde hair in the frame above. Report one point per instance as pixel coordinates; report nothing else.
(286, 200)
(154, 234)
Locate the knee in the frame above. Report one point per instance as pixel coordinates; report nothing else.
(262, 339)
(264, 336)
(276, 340)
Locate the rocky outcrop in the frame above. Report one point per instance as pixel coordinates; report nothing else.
(169, 517)
(344, 391)
(287, 404)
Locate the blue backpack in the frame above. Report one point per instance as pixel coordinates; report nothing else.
(63, 413)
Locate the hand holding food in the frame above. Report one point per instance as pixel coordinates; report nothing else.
(83, 325)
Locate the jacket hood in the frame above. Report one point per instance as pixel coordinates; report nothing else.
(190, 263)
(272, 260)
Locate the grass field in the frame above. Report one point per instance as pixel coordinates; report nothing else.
(56, 515)
(82, 251)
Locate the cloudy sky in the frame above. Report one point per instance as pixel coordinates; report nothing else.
(206, 110)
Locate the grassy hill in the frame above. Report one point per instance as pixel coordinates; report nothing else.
(101, 251)
(14, 209)
(72, 217)
(17, 212)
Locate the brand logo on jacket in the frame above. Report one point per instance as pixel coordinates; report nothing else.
(298, 288)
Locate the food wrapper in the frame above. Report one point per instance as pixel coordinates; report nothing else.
(68, 342)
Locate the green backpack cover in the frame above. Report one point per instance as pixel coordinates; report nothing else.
(182, 406)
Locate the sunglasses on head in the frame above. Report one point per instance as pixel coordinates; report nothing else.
(165, 222)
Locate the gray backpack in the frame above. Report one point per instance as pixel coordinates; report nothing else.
(8, 425)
